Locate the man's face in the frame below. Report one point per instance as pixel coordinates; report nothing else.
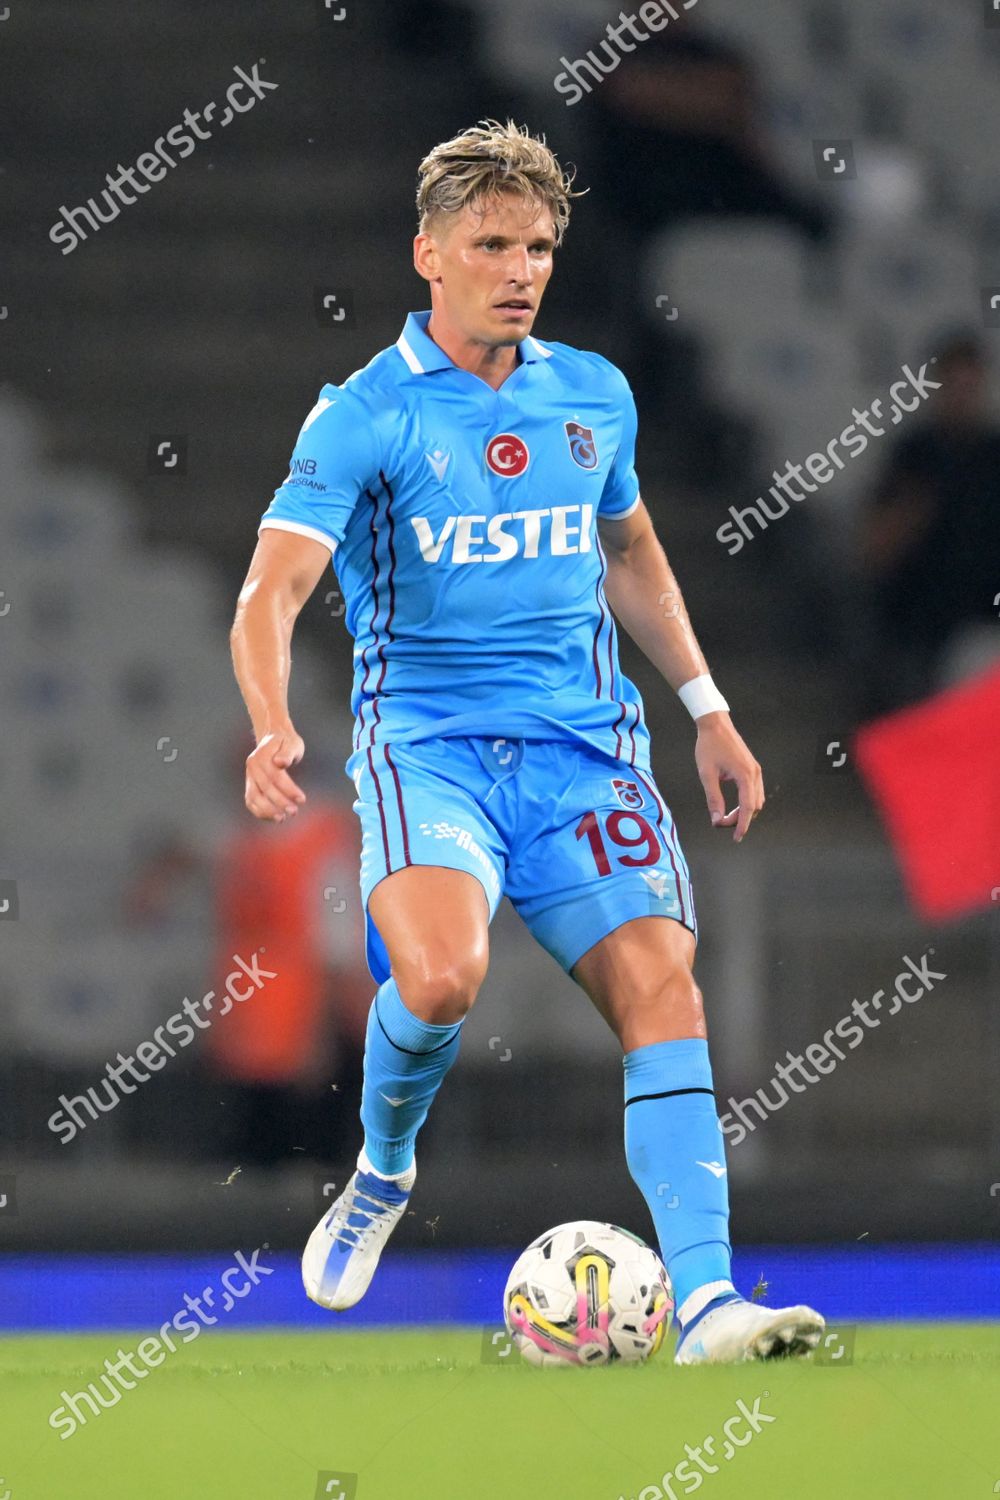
(491, 268)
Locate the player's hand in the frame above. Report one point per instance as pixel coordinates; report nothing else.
(271, 794)
(721, 755)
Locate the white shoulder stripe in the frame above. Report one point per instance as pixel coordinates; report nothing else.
(408, 354)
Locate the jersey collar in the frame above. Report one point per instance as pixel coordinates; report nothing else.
(423, 356)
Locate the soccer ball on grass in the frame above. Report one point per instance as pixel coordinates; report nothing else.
(587, 1294)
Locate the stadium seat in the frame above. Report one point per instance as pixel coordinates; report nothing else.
(968, 97)
(62, 513)
(80, 1004)
(800, 380)
(20, 440)
(804, 108)
(913, 286)
(53, 786)
(163, 593)
(523, 42)
(53, 599)
(778, 30)
(807, 367)
(915, 41)
(726, 276)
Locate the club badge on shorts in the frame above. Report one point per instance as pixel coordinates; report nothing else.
(627, 792)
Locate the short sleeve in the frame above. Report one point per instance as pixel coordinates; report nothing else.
(334, 460)
(620, 495)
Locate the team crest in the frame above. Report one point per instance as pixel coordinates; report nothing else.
(627, 792)
(581, 445)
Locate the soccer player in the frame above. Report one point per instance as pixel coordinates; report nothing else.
(476, 491)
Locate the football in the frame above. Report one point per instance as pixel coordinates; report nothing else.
(587, 1294)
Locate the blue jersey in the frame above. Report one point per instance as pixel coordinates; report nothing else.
(463, 527)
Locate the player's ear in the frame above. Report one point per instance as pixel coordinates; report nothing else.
(426, 257)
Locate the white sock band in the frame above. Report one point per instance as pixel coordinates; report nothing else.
(701, 696)
(700, 1299)
(364, 1165)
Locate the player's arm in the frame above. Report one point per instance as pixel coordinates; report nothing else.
(284, 571)
(646, 599)
(336, 456)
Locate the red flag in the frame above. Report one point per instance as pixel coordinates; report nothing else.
(934, 773)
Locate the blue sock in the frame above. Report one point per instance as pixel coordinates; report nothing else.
(405, 1060)
(671, 1131)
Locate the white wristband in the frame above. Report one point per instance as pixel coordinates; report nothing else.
(701, 696)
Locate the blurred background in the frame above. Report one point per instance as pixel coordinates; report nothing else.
(789, 202)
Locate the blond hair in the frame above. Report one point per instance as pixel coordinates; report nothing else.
(490, 159)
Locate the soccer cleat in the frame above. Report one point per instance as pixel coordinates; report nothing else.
(343, 1250)
(730, 1330)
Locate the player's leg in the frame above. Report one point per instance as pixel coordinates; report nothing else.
(431, 880)
(602, 883)
(434, 924)
(640, 979)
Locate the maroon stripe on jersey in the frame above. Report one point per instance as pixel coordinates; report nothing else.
(611, 658)
(614, 730)
(600, 624)
(399, 803)
(391, 584)
(381, 812)
(371, 626)
(611, 677)
(392, 555)
(631, 734)
(665, 841)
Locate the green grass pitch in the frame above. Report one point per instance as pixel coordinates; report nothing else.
(416, 1415)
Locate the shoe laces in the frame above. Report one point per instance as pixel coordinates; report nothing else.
(354, 1235)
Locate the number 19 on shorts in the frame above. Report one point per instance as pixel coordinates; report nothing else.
(628, 831)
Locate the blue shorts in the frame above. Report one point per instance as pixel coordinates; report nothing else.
(579, 841)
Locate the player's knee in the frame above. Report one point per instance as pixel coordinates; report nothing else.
(440, 987)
